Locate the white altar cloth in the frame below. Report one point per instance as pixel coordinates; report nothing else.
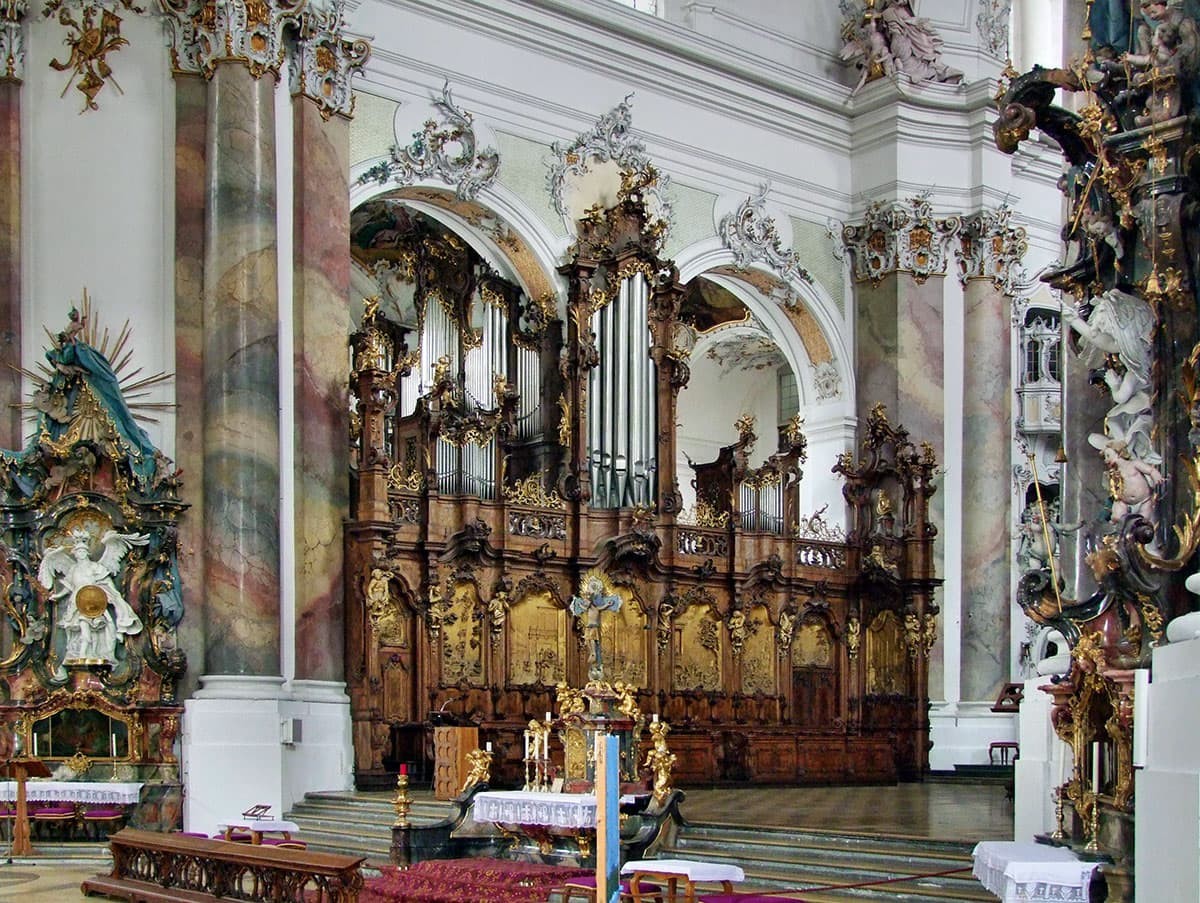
(526, 807)
(692, 869)
(1032, 872)
(122, 792)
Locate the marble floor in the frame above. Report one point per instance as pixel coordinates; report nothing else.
(934, 810)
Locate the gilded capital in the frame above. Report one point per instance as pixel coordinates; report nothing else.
(897, 237)
(12, 40)
(325, 60)
(992, 248)
(205, 33)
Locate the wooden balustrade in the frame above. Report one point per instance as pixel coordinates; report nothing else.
(171, 868)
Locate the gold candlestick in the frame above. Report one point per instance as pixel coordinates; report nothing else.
(1059, 792)
(402, 803)
(1093, 844)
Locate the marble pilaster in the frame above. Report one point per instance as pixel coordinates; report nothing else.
(191, 93)
(10, 263)
(321, 322)
(989, 262)
(241, 378)
(12, 67)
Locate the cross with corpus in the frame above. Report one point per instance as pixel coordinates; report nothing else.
(596, 594)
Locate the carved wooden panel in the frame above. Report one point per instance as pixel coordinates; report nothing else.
(537, 641)
(887, 657)
(773, 758)
(697, 649)
(462, 638)
(623, 639)
(759, 673)
(813, 646)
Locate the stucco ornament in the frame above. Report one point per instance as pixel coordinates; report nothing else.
(826, 381)
(897, 236)
(587, 171)
(12, 40)
(208, 32)
(886, 38)
(324, 61)
(992, 248)
(445, 151)
(751, 234)
(992, 23)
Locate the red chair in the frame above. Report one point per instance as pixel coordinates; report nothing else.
(100, 821)
(65, 817)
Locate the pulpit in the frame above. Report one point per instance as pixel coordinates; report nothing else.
(451, 745)
(21, 769)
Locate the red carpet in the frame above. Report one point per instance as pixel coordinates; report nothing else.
(468, 881)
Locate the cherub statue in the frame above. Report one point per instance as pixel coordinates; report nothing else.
(660, 760)
(738, 630)
(787, 629)
(1132, 482)
(1032, 552)
(94, 615)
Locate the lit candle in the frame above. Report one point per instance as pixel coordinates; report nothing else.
(35, 746)
(404, 768)
(654, 717)
(1096, 768)
(489, 746)
(547, 716)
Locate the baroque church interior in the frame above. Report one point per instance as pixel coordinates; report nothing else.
(412, 396)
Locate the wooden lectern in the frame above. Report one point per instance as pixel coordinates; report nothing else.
(20, 770)
(450, 748)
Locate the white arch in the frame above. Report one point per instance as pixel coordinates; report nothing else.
(547, 248)
(701, 257)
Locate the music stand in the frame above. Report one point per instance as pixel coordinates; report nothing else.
(20, 769)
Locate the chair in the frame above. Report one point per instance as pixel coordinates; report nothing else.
(234, 836)
(104, 819)
(65, 817)
(583, 888)
(285, 843)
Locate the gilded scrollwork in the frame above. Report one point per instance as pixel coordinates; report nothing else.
(389, 624)
(325, 60)
(93, 32)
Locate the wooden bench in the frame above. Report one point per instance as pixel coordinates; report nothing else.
(175, 868)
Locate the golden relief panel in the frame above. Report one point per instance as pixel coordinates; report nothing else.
(623, 638)
(462, 637)
(696, 659)
(537, 640)
(813, 646)
(887, 656)
(758, 654)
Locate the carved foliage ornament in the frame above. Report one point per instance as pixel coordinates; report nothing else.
(897, 236)
(324, 62)
(992, 23)
(93, 32)
(443, 150)
(611, 138)
(751, 234)
(208, 32)
(12, 40)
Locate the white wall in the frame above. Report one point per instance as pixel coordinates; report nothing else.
(97, 200)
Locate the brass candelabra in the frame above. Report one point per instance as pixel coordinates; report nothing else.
(402, 803)
(1059, 794)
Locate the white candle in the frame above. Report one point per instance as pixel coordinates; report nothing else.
(1096, 768)
(35, 746)
(114, 744)
(1062, 763)
(489, 746)
(547, 716)
(527, 744)
(654, 717)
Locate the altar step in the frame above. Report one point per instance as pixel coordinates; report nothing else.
(775, 859)
(357, 823)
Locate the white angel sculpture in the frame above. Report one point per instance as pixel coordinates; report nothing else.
(92, 612)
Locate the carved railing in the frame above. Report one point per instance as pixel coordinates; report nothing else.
(150, 866)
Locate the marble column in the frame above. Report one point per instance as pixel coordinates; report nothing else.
(191, 94)
(241, 378)
(991, 250)
(12, 62)
(899, 255)
(321, 109)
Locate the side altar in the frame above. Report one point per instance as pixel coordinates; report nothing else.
(89, 511)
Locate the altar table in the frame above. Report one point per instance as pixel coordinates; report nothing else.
(668, 872)
(259, 827)
(526, 807)
(123, 793)
(1032, 872)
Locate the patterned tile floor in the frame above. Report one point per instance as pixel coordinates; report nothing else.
(935, 810)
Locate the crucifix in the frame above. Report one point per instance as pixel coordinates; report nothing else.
(596, 595)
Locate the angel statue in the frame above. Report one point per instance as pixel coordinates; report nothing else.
(94, 615)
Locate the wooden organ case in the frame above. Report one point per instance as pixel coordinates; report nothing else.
(780, 649)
